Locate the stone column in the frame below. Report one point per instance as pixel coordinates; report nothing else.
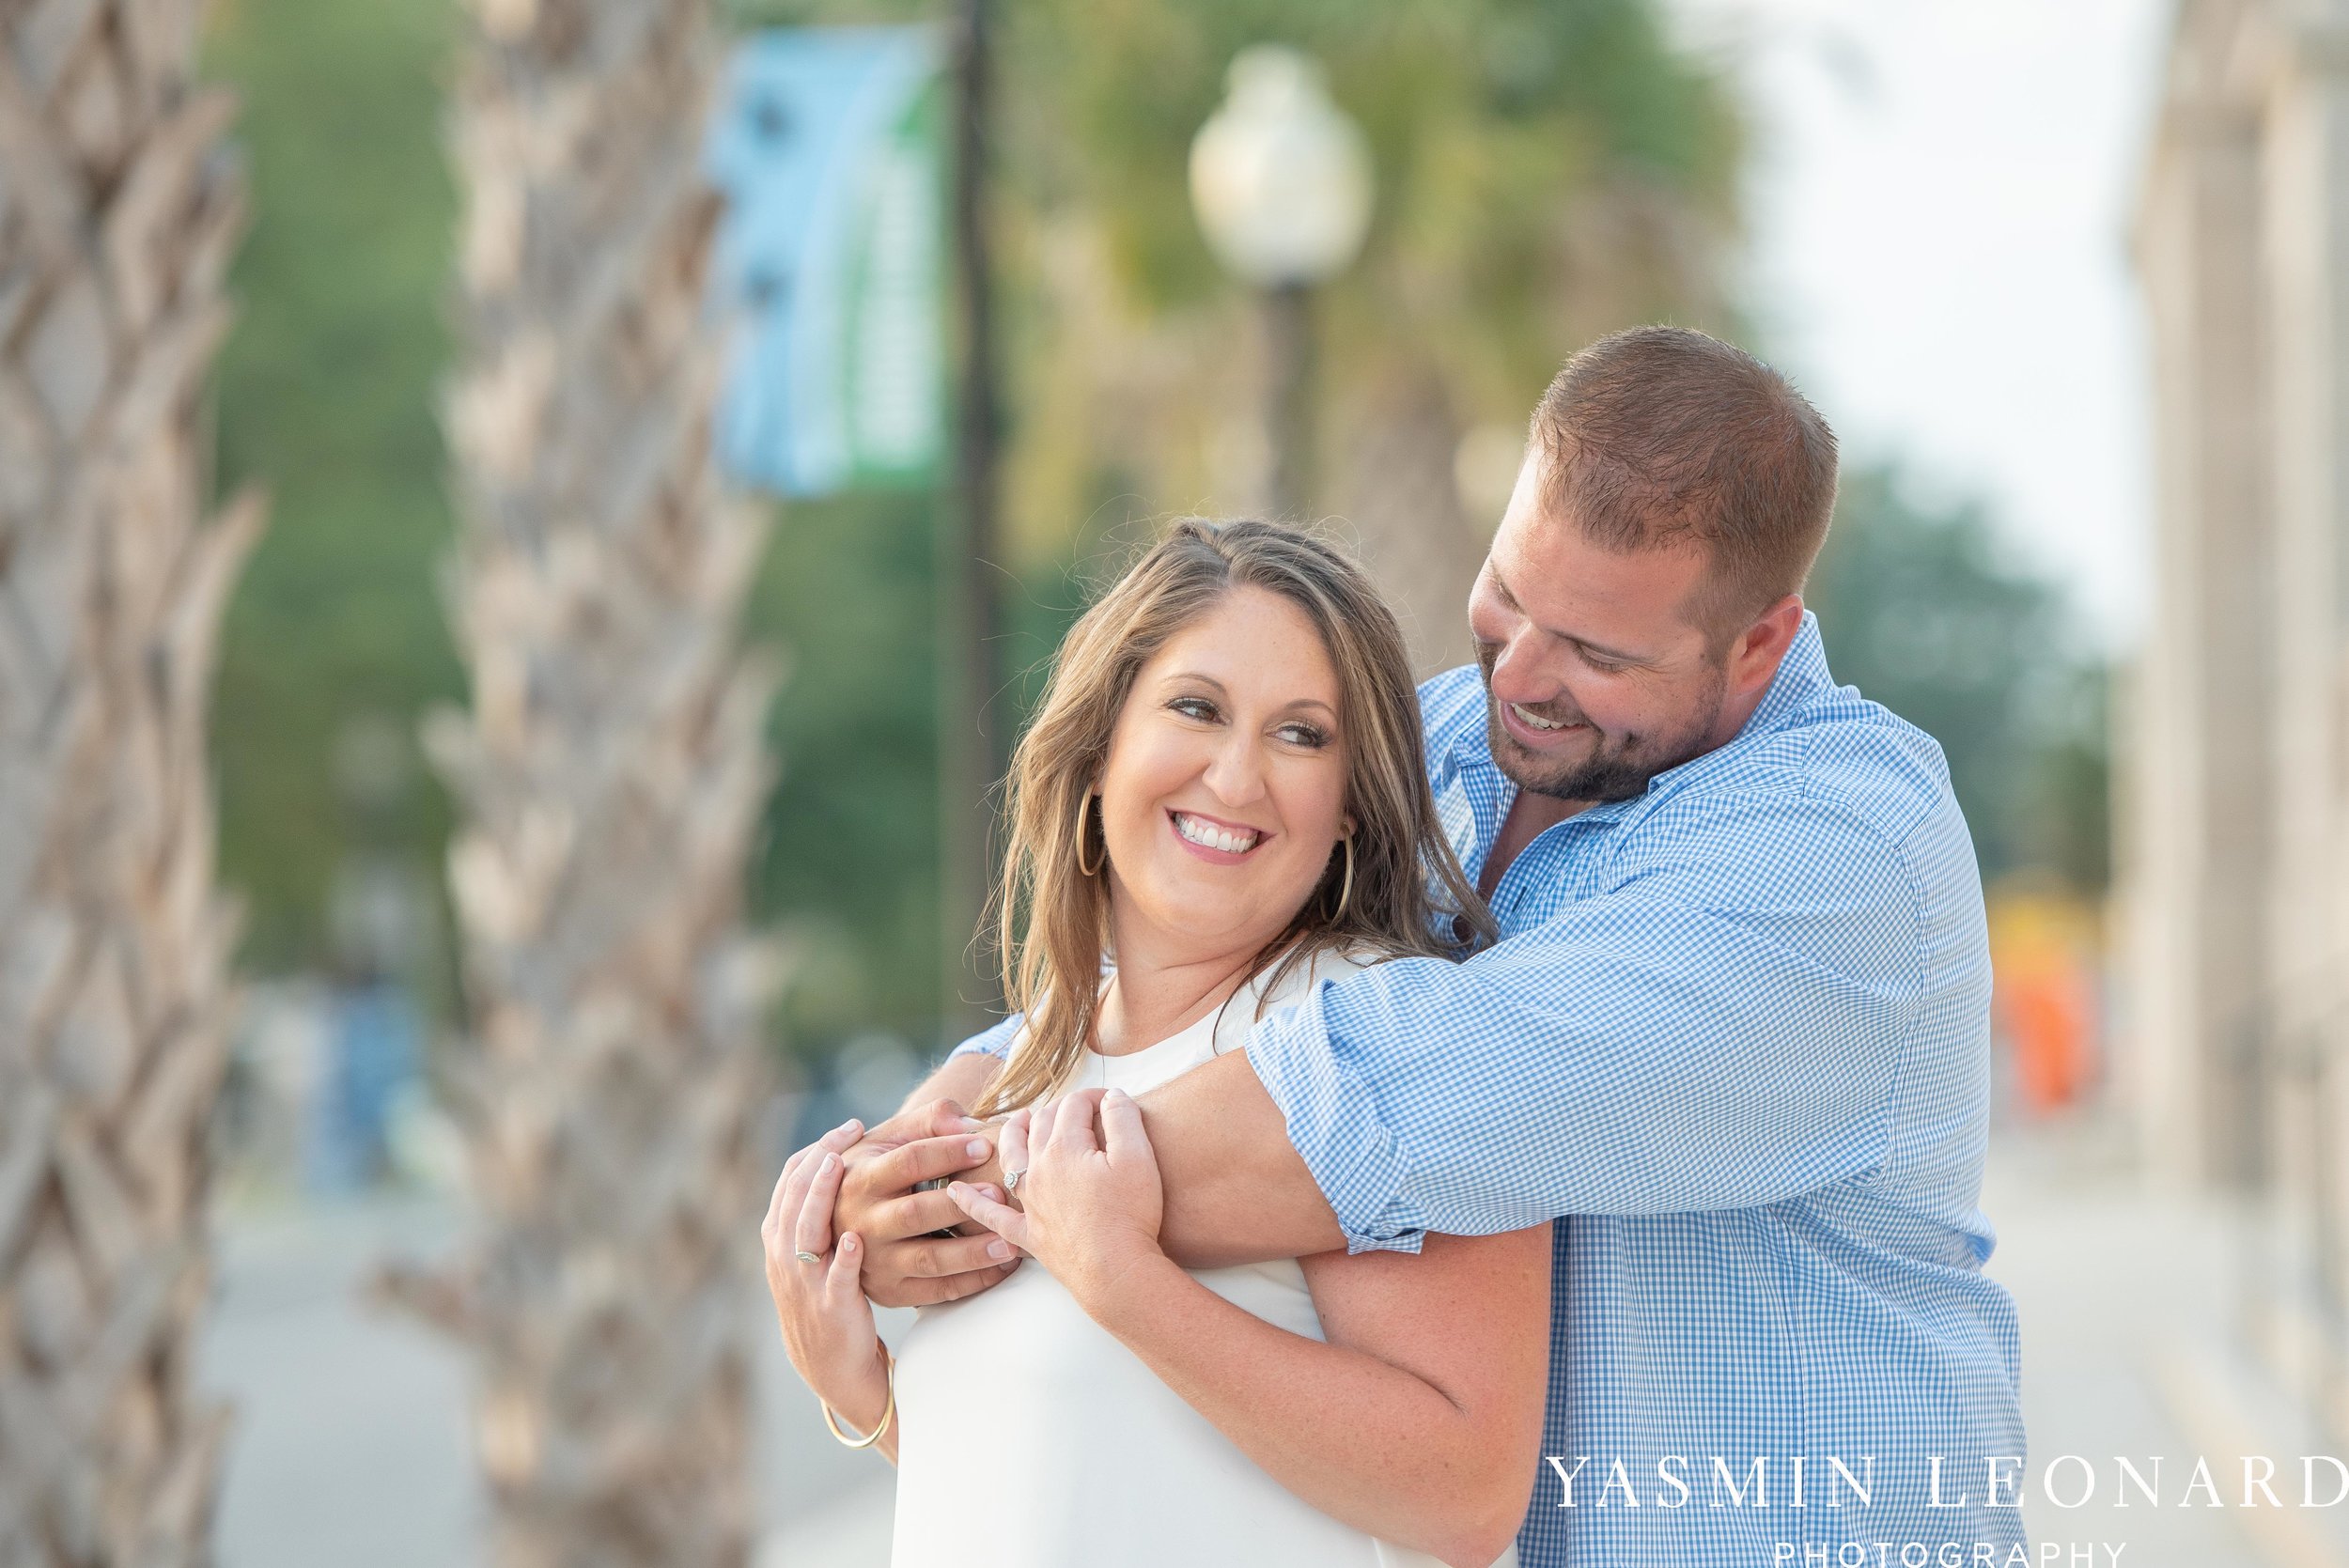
(2306, 234)
(2199, 773)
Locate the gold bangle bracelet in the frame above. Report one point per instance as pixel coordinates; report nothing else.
(888, 1413)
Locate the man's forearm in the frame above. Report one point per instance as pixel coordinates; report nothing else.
(1236, 1190)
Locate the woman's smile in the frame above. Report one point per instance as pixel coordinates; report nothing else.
(1212, 839)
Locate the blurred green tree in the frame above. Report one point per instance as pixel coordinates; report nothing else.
(326, 397)
(849, 861)
(1547, 169)
(1920, 609)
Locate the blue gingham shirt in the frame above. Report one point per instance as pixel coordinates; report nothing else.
(1736, 1037)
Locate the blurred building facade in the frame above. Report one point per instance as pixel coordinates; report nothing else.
(2234, 782)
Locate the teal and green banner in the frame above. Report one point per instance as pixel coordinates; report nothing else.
(827, 148)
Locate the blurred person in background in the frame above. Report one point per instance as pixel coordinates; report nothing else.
(1734, 1038)
(1220, 807)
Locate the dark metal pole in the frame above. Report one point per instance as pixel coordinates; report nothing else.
(1290, 397)
(973, 740)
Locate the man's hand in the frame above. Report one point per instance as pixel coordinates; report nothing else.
(1093, 1202)
(905, 1264)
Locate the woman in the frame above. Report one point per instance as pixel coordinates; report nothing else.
(1220, 805)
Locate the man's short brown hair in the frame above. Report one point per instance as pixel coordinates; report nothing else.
(1661, 437)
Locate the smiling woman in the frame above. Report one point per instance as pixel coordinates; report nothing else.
(1220, 807)
(1230, 741)
(1222, 804)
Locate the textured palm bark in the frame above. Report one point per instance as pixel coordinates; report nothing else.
(1396, 491)
(119, 211)
(610, 775)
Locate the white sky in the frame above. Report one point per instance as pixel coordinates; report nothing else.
(1939, 207)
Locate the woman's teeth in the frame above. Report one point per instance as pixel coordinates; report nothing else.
(1213, 837)
(1534, 721)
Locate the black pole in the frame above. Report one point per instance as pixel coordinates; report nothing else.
(1290, 397)
(974, 739)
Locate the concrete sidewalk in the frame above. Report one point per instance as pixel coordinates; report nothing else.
(2127, 1298)
(352, 1444)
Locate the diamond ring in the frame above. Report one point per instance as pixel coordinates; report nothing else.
(1011, 1180)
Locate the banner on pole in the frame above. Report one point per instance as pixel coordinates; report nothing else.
(827, 148)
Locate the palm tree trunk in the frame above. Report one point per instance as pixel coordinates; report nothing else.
(119, 211)
(611, 776)
(1397, 487)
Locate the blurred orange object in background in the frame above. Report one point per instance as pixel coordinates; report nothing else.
(2045, 949)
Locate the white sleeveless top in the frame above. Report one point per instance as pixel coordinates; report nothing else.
(1030, 1437)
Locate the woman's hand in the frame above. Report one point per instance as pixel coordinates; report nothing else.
(1092, 1203)
(827, 1322)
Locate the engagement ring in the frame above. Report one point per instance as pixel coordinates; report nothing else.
(1011, 1180)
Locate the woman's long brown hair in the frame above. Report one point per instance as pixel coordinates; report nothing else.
(1051, 920)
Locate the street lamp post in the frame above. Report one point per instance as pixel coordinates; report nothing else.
(974, 730)
(1281, 182)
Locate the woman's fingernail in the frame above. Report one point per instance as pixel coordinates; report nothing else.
(848, 1243)
(956, 1189)
(972, 1124)
(830, 1159)
(977, 1148)
(999, 1251)
(844, 1126)
(987, 1191)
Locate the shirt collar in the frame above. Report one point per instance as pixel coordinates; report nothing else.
(1802, 674)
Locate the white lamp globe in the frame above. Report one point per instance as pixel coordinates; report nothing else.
(1279, 178)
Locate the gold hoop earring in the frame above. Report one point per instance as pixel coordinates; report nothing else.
(1084, 813)
(1345, 889)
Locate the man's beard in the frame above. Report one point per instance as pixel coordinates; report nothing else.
(1617, 769)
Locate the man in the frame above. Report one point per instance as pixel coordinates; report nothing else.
(1736, 1035)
